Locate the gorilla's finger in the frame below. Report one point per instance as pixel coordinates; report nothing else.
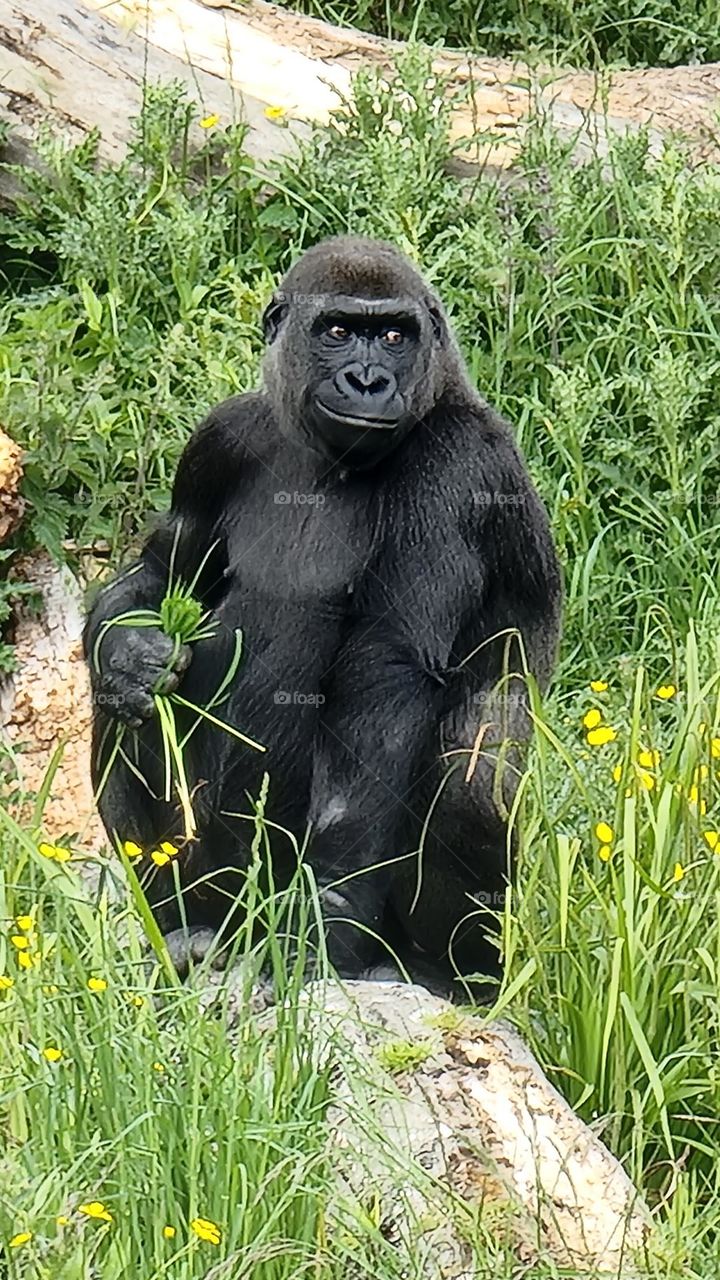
(167, 682)
(182, 659)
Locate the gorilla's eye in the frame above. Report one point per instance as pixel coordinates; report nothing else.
(338, 332)
(393, 337)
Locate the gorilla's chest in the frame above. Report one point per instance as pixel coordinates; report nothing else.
(298, 542)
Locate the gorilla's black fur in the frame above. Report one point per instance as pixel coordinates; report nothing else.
(368, 523)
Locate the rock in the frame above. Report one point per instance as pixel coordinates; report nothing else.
(439, 1116)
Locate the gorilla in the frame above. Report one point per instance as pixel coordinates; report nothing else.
(368, 524)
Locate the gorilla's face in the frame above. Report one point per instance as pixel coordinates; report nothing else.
(362, 370)
(357, 350)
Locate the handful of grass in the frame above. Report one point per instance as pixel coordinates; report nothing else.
(184, 621)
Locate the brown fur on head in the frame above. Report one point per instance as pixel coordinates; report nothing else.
(343, 269)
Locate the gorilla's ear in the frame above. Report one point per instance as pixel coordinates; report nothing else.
(438, 321)
(273, 316)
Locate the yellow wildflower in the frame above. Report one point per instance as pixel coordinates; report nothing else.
(56, 852)
(169, 848)
(701, 771)
(694, 798)
(712, 837)
(605, 853)
(52, 1055)
(678, 872)
(160, 858)
(646, 779)
(169, 1233)
(158, 1066)
(136, 1001)
(275, 113)
(598, 686)
(592, 718)
(649, 759)
(22, 1237)
(25, 923)
(62, 1221)
(131, 849)
(5, 982)
(206, 1230)
(26, 959)
(604, 833)
(617, 773)
(209, 122)
(97, 985)
(666, 691)
(20, 942)
(599, 737)
(95, 1209)
(715, 748)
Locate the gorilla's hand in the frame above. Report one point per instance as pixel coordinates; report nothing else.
(135, 663)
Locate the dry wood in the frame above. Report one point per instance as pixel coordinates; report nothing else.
(81, 64)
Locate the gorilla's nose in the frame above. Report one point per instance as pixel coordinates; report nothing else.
(367, 386)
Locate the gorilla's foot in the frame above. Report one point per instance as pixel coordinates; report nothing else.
(349, 932)
(192, 946)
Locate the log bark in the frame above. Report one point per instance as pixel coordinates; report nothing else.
(469, 1126)
(45, 703)
(81, 65)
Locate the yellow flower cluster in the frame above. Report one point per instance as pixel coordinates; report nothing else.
(26, 947)
(56, 852)
(700, 775)
(206, 1230)
(161, 856)
(605, 835)
(597, 733)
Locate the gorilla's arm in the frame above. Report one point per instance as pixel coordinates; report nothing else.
(509, 632)
(127, 664)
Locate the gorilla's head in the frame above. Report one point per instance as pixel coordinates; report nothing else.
(359, 349)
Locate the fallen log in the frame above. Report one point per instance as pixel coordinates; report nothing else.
(441, 1118)
(81, 65)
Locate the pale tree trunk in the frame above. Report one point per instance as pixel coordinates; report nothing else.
(81, 64)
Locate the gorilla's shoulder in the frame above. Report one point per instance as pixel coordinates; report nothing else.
(233, 431)
(237, 420)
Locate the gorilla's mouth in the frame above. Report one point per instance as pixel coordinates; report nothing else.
(357, 420)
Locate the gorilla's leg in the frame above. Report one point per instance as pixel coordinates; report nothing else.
(376, 724)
